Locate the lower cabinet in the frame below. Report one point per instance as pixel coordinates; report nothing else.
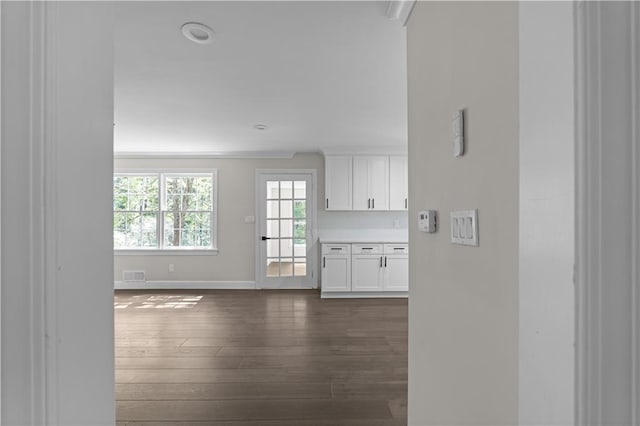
(336, 267)
(366, 272)
(364, 269)
(396, 267)
(396, 273)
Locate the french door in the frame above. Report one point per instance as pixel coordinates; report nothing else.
(285, 224)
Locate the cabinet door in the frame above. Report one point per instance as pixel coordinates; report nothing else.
(398, 179)
(366, 273)
(378, 175)
(336, 273)
(361, 196)
(338, 183)
(396, 273)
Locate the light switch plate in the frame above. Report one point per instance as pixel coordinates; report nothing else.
(464, 227)
(249, 219)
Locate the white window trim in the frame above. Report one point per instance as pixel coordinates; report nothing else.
(160, 250)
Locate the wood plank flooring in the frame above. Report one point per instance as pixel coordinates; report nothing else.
(269, 358)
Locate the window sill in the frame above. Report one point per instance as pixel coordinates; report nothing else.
(166, 252)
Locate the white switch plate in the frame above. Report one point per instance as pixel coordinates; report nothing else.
(464, 227)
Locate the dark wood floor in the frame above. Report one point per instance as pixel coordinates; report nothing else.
(270, 358)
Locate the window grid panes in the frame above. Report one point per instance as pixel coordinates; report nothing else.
(164, 211)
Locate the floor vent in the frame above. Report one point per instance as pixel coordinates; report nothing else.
(136, 276)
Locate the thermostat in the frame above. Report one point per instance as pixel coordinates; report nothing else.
(427, 221)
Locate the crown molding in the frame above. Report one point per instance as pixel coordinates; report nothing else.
(199, 155)
(383, 150)
(400, 10)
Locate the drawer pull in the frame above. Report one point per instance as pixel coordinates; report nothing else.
(399, 248)
(367, 248)
(336, 248)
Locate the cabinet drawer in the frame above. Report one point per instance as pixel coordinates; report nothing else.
(367, 248)
(336, 249)
(396, 248)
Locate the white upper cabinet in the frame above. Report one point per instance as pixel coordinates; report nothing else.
(338, 182)
(366, 182)
(398, 183)
(371, 183)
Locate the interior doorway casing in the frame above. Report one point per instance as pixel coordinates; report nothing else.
(607, 213)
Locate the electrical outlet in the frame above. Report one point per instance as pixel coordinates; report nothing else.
(171, 267)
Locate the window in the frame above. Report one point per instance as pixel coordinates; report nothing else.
(166, 211)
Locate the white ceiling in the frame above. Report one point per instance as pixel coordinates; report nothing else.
(322, 75)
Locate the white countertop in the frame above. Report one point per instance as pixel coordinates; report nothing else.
(364, 236)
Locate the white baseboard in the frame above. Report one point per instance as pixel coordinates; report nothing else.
(363, 294)
(185, 285)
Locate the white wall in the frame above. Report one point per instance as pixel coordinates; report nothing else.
(57, 116)
(235, 261)
(547, 326)
(463, 301)
(17, 375)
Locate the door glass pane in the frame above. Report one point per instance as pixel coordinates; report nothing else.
(286, 267)
(273, 228)
(299, 248)
(273, 268)
(300, 189)
(272, 190)
(300, 231)
(286, 228)
(272, 210)
(273, 248)
(299, 209)
(286, 247)
(286, 209)
(300, 268)
(286, 190)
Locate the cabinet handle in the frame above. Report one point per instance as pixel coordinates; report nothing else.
(324, 262)
(366, 248)
(336, 248)
(373, 203)
(405, 203)
(399, 248)
(327, 203)
(369, 203)
(381, 261)
(385, 261)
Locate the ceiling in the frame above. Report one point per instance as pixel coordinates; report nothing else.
(325, 75)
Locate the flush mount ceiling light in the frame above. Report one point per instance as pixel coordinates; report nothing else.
(197, 33)
(260, 126)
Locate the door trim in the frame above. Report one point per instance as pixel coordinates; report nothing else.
(313, 214)
(596, 159)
